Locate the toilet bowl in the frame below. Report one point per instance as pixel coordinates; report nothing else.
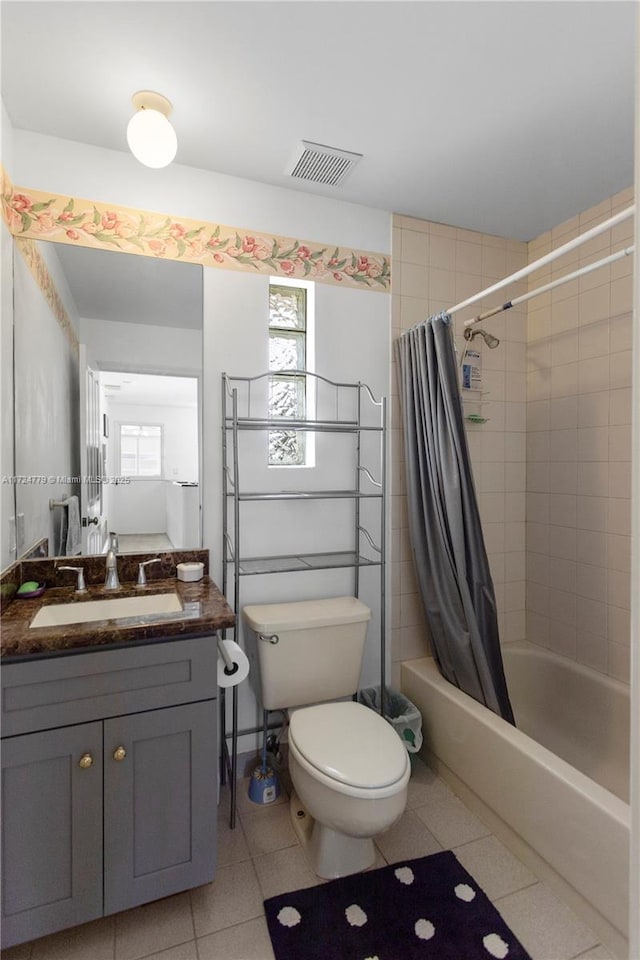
(350, 772)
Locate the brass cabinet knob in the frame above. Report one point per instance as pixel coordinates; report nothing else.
(85, 761)
(119, 753)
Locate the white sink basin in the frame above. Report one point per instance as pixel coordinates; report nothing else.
(113, 608)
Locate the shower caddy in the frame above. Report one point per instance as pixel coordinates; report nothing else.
(239, 415)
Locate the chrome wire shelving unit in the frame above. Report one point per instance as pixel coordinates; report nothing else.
(347, 408)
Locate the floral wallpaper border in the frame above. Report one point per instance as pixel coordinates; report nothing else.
(40, 273)
(38, 215)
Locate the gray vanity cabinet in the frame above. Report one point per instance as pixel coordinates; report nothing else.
(118, 808)
(159, 803)
(52, 846)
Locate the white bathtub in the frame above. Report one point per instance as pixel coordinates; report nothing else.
(579, 827)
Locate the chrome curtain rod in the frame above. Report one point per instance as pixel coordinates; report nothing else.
(547, 258)
(550, 286)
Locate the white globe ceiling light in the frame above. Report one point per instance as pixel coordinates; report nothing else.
(151, 138)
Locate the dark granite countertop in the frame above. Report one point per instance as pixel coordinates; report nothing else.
(205, 612)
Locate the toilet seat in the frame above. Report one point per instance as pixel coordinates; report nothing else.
(350, 748)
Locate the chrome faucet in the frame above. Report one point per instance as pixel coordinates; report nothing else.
(81, 586)
(111, 580)
(142, 577)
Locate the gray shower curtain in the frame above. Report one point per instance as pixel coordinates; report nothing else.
(444, 524)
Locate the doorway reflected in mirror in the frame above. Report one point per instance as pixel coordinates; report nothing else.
(125, 320)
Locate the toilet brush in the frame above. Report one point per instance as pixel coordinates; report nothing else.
(264, 786)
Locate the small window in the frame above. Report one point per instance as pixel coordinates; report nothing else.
(140, 450)
(287, 356)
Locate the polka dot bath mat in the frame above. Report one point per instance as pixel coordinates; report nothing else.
(429, 908)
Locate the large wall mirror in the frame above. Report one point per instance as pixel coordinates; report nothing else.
(107, 402)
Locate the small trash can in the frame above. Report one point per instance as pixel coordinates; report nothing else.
(400, 712)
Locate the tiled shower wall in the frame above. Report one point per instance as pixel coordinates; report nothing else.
(579, 448)
(559, 461)
(434, 267)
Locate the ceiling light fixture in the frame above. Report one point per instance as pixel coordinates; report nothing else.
(151, 138)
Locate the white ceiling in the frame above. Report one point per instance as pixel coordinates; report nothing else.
(507, 117)
(106, 285)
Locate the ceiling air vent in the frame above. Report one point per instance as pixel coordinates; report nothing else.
(321, 164)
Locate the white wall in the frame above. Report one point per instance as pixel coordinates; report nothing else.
(143, 347)
(184, 528)
(7, 503)
(46, 399)
(140, 506)
(634, 861)
(352, 327)
(7, 511)
(6, 139)
(352, 343)
(64, 166)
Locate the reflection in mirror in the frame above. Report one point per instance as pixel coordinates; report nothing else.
(106, 400)
(7, 502)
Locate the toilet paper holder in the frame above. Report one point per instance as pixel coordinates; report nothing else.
(230, 666)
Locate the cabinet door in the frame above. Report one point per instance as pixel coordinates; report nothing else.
(51, 831)
(160, 803)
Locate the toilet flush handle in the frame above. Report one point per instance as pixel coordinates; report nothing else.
(270, 638)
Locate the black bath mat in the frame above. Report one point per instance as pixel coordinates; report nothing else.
(425, 909)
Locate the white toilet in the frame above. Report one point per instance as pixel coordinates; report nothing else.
(348, 766)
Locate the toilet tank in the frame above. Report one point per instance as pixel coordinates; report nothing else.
(315, 650)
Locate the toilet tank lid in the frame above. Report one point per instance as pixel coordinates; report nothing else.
(350, 743)
(272, 617)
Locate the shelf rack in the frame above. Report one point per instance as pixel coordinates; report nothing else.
(365, 415)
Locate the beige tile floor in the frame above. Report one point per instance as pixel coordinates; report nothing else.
(261, 858)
